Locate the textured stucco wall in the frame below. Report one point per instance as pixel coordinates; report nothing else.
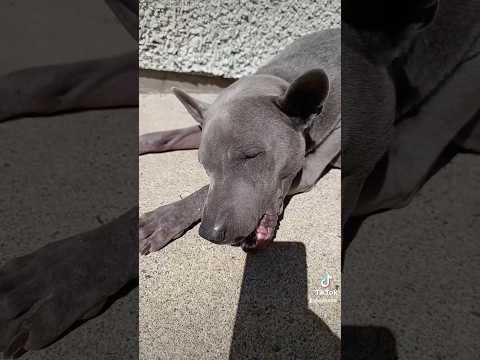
(225, 37)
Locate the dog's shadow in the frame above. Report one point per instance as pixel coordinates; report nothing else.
(273, 320)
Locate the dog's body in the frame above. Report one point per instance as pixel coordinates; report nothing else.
(411, 85)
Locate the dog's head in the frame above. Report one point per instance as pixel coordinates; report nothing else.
(252, 148)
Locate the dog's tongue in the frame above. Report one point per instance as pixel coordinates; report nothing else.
(263, 231)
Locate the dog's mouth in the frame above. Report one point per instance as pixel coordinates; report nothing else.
(263, 234)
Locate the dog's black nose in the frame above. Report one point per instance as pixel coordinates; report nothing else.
(215, 234)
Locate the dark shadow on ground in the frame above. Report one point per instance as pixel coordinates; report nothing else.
(273, 320)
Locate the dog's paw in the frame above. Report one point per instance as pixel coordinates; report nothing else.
(46, 292)
(157, 228)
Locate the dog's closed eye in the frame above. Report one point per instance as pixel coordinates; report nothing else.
(253, 154)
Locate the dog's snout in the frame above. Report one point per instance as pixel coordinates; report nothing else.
(215, 233)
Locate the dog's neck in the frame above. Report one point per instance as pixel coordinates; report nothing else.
(319, 130)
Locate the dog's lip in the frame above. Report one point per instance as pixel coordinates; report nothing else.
(263, 233)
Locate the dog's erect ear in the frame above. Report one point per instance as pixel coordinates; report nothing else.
(196, 108)
(306, 95)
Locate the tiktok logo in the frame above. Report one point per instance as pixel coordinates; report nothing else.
(327, 292)
(327, 280)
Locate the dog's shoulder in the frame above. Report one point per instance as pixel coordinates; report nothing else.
(316, 50)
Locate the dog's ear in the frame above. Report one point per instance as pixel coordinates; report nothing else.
(419, 15)
(401, 18)
(306, 95)
(196, 108)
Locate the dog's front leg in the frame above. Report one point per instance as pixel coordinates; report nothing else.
(46, 90)
(44, 293)
(166, 223)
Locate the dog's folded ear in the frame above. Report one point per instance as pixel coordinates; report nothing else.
(195, 107)
(306, 95)
(421, 15)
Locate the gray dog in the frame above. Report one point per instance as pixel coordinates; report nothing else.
(410, 88)
(267, 136)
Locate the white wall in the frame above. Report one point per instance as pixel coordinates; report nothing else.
(225, 37)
